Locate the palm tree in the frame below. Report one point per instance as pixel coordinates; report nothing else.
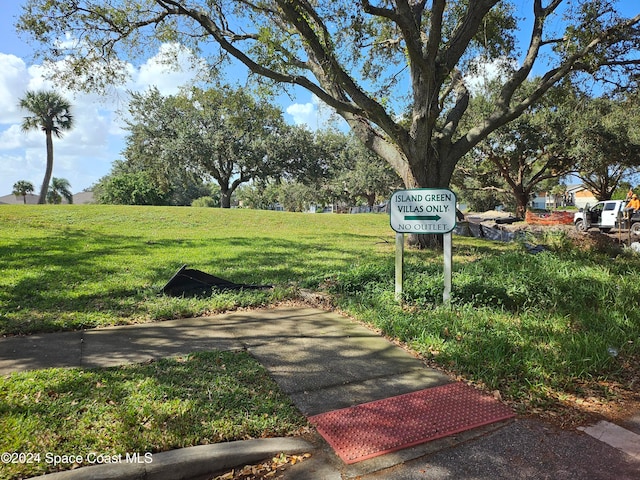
(60, 187)
(51, 114)
(22, 188)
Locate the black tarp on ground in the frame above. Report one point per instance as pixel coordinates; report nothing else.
(189, 282)
(471, 229)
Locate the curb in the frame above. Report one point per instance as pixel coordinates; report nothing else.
(188, 463)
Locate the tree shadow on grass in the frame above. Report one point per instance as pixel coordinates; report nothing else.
(77, 281)
(201, 398)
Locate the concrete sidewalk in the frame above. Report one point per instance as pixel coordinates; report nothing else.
(324, 362)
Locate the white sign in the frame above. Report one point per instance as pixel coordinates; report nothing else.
(423, 210)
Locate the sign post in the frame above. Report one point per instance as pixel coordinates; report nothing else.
(399, 264)
(423, 210)
(447, 250)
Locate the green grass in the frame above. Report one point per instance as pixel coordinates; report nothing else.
(538, 328)
(84, 266)
(172, 403)
(542, 329)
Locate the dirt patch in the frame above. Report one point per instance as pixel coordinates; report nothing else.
(592, 240)
(604, 400)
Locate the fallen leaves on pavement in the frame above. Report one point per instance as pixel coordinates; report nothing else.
(269, 469)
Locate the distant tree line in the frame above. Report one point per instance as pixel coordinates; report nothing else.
(204, 146)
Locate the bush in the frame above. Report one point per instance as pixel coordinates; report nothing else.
(136, 188)
(204, 202)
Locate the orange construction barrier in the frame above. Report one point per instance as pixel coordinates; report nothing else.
(549, 218)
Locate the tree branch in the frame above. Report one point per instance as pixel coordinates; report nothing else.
(462, 102)
(435, 31)
(210, 27)
(345, 91)
(464, 32)
(503, 113)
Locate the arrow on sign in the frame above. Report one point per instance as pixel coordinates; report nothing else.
(422, 217)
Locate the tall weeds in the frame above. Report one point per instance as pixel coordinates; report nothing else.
(536, 327)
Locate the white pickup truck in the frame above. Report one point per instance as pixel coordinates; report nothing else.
(605, 216)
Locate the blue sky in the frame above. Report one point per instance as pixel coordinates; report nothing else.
(84, 154)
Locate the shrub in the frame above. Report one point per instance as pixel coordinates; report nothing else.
(204, 202)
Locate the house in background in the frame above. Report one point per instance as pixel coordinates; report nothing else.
(78, 199)
(82, 198)
(575, 196)
(539, 201)
(13, 200)
(580, 196)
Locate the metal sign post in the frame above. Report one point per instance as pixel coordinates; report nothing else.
(447, 247)
(399, 264)
(423, 210)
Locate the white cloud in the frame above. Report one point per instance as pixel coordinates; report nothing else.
(482, 72)
(14, 167)
(85, 153)
(302, 113)
(313, 114)
(12, 138)
(172, 67)
(13, 78)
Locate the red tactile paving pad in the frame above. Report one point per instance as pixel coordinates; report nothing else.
(371, 429)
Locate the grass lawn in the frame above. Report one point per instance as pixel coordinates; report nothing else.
(84, 266)
(198, 399)
(557, 333)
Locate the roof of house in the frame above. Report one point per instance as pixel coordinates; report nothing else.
(83, 198)
(80, 198)
(583, 194)
(579, 188)
(13, 200)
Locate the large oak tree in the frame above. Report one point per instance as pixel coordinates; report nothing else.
(526, 153)
(222, 134)
(606, 143)
(372, 61)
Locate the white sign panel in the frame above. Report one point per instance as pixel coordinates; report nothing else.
(423, 210)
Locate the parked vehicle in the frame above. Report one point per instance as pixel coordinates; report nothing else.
(605, 216)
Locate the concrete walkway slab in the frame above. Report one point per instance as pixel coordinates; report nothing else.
(36, 352)
(335, 397)
(112, 346)
(328, 371)
(326, 362)
(305, 364)
(616, 436)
